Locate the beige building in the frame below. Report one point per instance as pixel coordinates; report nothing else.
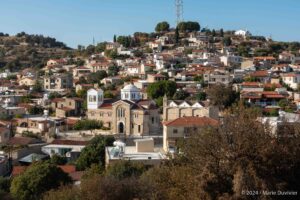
(27, 81)
(152, 78)
(180, 128)
(128, 116)
(66, 107)
(217, 77)
(174, 109)
(58, 82)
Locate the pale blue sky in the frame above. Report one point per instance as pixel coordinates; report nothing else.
(78, 21)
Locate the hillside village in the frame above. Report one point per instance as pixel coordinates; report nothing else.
(146, 92)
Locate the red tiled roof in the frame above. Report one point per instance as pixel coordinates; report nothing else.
(251, 84)
(270, 85)
(55, 100)
(23, 141)
(69, 142)
(76, 176)
(265, 94)
(71, 121)
(192, 121)
(17, 170)
(106, 105)
(290, 75)
(159, 75)
(262, 73)
(68, 168)
(264, 58)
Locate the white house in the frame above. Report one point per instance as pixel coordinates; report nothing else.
(291, 79)
(64, 147)
(94, 98)
(242, 33)
(231, 60)
(133, 70)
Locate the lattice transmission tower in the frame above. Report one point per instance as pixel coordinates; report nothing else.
(179, 11)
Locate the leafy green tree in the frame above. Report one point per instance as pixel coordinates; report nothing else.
(238, 155)
(82, 93)
(36, 110)
(222, 96)
(58, 160)
(63, 193)
(162, 27)
(113, 54)
(213, 33)
(177, 36)
(96, 77)
(113, 70)
(94, 152)
(189, 26)
(4, 186)
(37, 87)
(108, 94)
(125, 169)
(36, 180)
(161, 88)
(100, 188)
(180, 95)
(126, 41)
(100, 47)
(92, 171)
(221, 32)
(243, 50)
(90, 49)
(87, 125)
(227, 41)
(201, 96)
(54, 95)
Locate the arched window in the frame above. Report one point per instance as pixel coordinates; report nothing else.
(121, 112)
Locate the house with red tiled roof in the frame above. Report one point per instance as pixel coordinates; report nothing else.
(69, 169)
(81, 71)
(183, 127)
(261, 75)
(262, 98)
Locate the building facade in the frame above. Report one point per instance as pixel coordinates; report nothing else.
(131, 115)
(174, 109)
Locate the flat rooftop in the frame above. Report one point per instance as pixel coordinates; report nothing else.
(131, 154)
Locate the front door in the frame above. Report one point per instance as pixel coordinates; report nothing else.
(121, 127)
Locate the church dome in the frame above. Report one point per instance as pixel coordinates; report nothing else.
(130, 92)
(131, 87)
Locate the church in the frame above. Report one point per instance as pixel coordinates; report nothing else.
(130, 115)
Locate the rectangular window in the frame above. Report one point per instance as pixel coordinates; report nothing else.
(175, 131)
(139, 128)
(152, 119)
(92, 98)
